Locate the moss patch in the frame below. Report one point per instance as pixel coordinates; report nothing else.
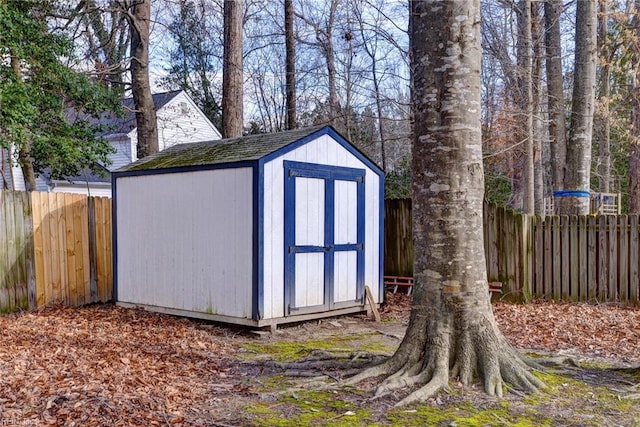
(293, 350)
(309, 408)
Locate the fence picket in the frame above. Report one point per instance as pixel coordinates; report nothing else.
(592, 258)
(603, 258)
(583, 263)
(634, 260)
(623, 261)
(612, 231)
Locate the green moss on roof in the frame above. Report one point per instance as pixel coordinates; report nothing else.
(251, 147)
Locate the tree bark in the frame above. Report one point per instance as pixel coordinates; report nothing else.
(232, 71)
(452, 330)
(24, 150)
(578, 172)
(289, 38)
(147, 125)
(634, 146)
(536, 78)
(555, 92)
(526, 101)
(602, 127)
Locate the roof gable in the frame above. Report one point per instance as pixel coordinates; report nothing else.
(246, 148)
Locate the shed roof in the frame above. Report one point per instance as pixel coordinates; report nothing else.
(250, 147)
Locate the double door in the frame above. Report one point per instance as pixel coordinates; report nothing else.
(324, 237)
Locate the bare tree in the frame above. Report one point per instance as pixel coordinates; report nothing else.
(452, 330)
(555, 91)
(634, 148)
(289, 37)
(139, 17)
(526, 100)
(602, 128)
(575, 200)
(232, 74)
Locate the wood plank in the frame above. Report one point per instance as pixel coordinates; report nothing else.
(38, 248)
(548, 257)
(623, 258)
(603, 258)
(583, 247)
(83, 215)
(48, 256)
(372, 304)
(91, 215)
(564, 248)
(557, 264)
(574, 256)
(101, 249)
(592, 258)
(538, 252)
(109, 246)
(79, 249)
(612, 248)
(70, 243)
(634, 260)
(61, 242)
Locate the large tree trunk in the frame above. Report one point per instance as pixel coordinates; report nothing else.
(289, 39)
(147, 125)
(555, 92)
(634, 146)
(232, 76)
(452, 331)
(575, 200)
(24, 150)
(602, 127)
(526, 100)
(536, 77)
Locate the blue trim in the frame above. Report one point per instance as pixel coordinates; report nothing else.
(329, 240)
(381, 239)
(361, 219)
(181, 169)
(572, 193)
(289, 239)
(330, 174)
(259, 304)
(114, 240)
(257, 294)
(327, 130)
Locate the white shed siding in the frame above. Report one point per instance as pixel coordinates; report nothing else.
(180, 121)
(189, 241)
(324, 150)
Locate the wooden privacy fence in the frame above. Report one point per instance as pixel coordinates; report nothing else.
(55, 249)
(574, 258)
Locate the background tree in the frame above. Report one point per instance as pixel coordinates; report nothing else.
(578, 171)
(232, 74)
(555, 92)
(452, 331)
(45, 107)
(195, 56)
(634, 150)
(289, 38)
(138, 14)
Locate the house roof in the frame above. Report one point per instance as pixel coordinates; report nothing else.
(127, 123)
(123, 124)
(245, 148)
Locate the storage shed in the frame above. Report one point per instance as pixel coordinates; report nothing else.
(258, 230)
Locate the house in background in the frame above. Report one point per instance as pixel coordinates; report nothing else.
(179, 120)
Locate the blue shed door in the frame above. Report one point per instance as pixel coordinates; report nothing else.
(324, 237)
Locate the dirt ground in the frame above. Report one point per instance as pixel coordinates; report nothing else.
(103, 365)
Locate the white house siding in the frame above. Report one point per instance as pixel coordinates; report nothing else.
(101, 190)
(125, 150)
(324, 150)
(180, 121)
(188, 241)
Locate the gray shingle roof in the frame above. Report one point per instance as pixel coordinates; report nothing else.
(250, 147)
(125, 124)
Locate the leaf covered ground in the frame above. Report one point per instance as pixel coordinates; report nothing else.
(103, 365)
